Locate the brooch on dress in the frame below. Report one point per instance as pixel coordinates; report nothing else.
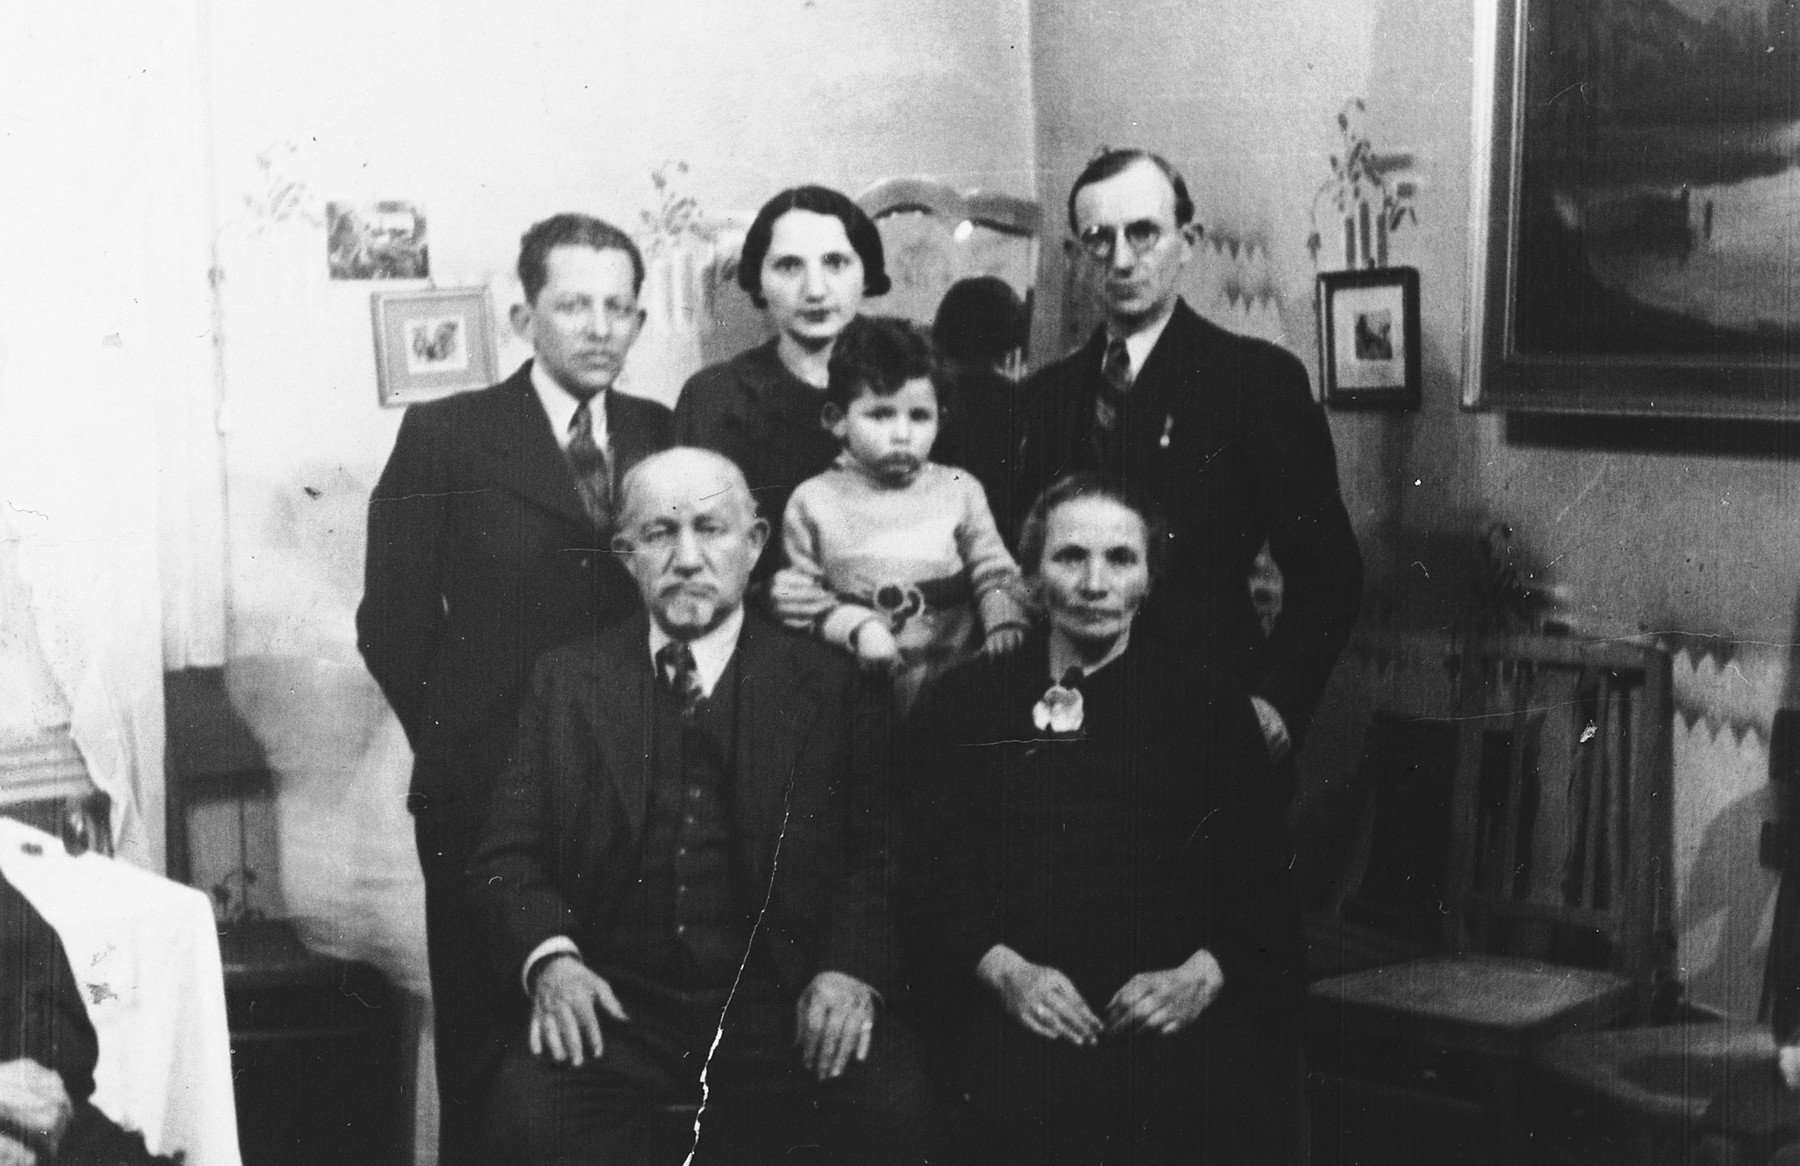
(1059, 711)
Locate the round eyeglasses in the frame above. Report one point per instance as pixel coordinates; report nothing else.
(1141, 235)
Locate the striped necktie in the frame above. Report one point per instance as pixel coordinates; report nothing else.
(675, 664)
(593, 476)
(1115, 383)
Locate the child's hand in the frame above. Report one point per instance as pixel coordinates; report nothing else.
(798, 598)
(1003, 640)
(874, 646)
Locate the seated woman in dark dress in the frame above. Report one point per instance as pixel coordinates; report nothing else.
(1102, 927)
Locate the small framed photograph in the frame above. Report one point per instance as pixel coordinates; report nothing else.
(1369, 338)
(376, 240)
(432, 343)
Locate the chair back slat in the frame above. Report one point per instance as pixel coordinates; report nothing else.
(1561, 845)
(1528, 910)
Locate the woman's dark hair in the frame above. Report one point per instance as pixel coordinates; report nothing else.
(571, 230)
(1110, 163)
(875, 354)
(979, 321)
(859, 228)
(1068, 488)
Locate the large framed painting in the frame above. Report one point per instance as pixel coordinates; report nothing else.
(1635, 225)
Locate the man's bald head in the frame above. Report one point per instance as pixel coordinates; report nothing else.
(689, 534)
(682, 463)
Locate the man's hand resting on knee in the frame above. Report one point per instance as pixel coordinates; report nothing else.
(565, 1022)
(836, 1022)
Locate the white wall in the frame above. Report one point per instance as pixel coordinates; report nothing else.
(491, 117)
(1695, 544)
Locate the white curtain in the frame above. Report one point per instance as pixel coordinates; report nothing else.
(108, 461)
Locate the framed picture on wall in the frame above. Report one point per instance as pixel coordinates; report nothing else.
(1369, 338)
(1635, 195)
(432, 343)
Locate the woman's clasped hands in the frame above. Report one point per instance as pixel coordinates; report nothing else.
(1046, 1002)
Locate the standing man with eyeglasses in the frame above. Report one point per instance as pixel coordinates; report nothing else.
(1221, 431)
(489, 542)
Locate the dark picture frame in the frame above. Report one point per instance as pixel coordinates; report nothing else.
(1369, 338)
(432, 343)
(1631, 181)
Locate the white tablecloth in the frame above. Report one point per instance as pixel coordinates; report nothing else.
(146, 955)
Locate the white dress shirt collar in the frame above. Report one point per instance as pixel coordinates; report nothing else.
(712, 651)
(560, 405)
(1139, 344)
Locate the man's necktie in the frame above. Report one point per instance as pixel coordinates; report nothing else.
(675, 664)
(1115, 382)
(593, 477)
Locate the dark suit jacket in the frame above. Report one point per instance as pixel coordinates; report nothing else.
(1222, 431)
(43, 1017)
(563, 830)
(480, 557)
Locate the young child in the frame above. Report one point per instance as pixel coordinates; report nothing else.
(905, 550)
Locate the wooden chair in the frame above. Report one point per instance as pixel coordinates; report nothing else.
(44, 783)
(934, 235)
(1557, 905)
(1645, 1090)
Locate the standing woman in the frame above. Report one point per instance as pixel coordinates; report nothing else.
(810, 257)
(1101, 923)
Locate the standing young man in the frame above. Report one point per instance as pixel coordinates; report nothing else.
(488, 543)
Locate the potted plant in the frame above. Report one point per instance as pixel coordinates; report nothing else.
(1361, 195)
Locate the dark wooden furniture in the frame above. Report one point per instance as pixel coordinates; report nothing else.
(1634, 1096)
(315, 1041)
(1555, 913)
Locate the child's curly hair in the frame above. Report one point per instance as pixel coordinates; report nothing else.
(876, 354)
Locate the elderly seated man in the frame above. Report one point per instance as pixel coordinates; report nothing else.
(686, 870)
(47, 1054)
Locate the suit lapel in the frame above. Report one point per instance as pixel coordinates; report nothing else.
(525, 454)
(1169, 370)
(773, 718)
(625, 726)
(632, 434)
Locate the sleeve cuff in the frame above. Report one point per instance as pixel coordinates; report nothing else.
(999, 609)
(555, 945)
(840, 624)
